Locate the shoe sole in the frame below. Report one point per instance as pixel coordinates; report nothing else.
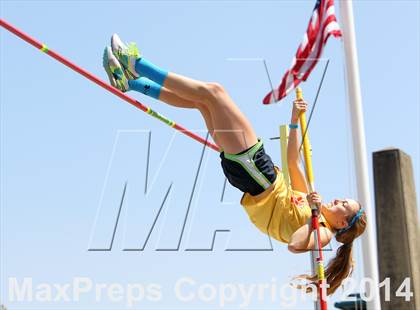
(128, 74)
(105, 64)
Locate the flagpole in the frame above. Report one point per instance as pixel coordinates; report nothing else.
(370, 255)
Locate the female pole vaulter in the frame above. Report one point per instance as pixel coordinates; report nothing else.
(280, 211)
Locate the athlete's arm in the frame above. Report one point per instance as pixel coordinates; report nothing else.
(297, 177)
(303, 239)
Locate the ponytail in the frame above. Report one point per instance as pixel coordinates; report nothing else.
(342, 265)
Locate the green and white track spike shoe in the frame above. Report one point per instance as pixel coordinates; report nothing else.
(126, 55)
(114, 70)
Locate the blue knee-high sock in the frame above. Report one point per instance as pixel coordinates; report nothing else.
(149, 70)
(145, 86)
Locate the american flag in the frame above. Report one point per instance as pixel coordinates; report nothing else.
(323, 23)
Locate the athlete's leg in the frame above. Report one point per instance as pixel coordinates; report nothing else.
(186, 87)
(229, 127)
(234, 131)
(172, 99)
(166, 95)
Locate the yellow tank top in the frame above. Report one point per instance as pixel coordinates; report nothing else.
(279, 212)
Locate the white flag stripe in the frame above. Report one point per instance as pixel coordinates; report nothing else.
(330, 11)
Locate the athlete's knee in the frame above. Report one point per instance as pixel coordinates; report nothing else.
(215, 95)
(215, 89)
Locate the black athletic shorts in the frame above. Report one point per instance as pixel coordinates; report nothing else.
(251, 171)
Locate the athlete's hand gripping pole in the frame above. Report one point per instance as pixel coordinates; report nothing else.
(317, 257)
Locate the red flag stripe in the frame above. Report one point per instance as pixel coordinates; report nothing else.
(322, 25)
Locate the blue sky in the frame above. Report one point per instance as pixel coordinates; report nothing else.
(68, 147)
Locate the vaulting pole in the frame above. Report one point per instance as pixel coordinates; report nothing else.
(370, 255)
(317, 260)
(284, 137)
(108, 87)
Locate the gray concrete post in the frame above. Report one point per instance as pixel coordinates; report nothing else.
(397, 226)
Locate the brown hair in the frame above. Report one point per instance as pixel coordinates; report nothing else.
(341, 266)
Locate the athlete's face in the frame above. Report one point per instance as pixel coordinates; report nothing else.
(339, 212)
